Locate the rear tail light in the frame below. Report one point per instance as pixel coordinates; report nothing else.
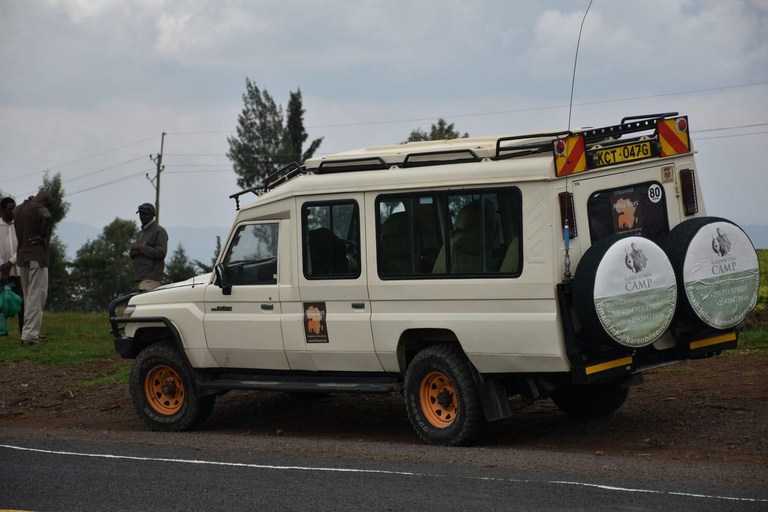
(567, 213)
(688, 187)
(559, 147)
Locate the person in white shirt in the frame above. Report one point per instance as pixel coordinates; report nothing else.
(9, 271)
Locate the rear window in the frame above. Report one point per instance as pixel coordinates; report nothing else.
(637, 210)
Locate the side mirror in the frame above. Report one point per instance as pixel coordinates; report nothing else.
(221, 279)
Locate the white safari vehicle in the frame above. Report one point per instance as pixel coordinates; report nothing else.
(474, 276)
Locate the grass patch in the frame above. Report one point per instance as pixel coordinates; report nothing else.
(120, 375)
(74, 338)
(762, 258)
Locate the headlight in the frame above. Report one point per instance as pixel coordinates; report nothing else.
(128, 311)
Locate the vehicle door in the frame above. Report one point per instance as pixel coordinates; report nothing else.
(641, 202)
(242, 319)
(333, 285)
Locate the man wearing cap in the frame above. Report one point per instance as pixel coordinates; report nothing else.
(149, 251)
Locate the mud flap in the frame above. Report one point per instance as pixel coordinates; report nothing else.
(493, 396)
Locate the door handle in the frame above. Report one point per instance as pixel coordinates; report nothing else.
(358, 305)
(222, 308)
(267, 307)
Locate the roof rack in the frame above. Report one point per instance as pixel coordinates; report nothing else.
(516, 146)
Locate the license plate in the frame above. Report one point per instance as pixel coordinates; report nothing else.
(612, 156)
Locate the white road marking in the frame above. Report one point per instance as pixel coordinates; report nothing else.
(380, 472)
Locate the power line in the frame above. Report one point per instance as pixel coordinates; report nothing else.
(59, 166)
(201, 171)
(499, 112)
(730, 136)
(104, 169)
(124, 178)
(730, 128)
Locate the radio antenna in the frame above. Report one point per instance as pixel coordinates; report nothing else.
(575, 60)
(568, 200)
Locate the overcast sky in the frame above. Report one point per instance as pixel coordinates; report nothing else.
(83, 77)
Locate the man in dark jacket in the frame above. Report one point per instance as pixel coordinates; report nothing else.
(149, 251)
(32, 221)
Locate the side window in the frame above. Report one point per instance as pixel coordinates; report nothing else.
(331, 240)
(410, 235)
(482, 229)
(251, 258)
(639, 209)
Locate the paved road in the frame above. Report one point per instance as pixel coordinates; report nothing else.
(54, 471)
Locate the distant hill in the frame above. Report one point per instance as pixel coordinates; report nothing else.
(199, 243)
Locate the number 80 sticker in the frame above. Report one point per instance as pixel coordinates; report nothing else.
(654, 193)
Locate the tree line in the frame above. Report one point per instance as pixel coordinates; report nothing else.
(266, 140)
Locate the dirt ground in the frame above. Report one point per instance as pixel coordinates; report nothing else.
(714, 410)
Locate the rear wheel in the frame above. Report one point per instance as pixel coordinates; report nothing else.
(163, 392)
(441, 397)
(590, 401)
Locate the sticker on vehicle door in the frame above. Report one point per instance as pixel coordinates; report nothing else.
(315, 327)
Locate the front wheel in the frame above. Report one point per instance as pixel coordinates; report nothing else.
(441, 397)
(163, 392)
(590, 401)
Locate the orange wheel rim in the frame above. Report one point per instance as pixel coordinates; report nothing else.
(164, 390)
(438, 399)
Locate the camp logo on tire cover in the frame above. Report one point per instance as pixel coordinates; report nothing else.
(635, 292)
(721, 275)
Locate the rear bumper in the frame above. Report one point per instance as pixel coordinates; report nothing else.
(593, 364)
(697, 347)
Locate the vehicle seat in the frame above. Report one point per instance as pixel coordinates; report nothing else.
(467, 241)
(511, 262)
(395, 247)
(327, 253)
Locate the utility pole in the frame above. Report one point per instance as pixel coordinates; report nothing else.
(158, 160)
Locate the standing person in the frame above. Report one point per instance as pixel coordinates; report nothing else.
(149, 251)
(32, 221)
(8, 245)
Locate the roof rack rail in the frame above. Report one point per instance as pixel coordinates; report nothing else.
(375, 163)
(526, 148)
(274, 179)
(236, 195)
(630, 124)
(283, 174)
(411, 158)
(648, 116)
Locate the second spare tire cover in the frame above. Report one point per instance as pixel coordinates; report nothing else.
(717, 270)
(625, 291)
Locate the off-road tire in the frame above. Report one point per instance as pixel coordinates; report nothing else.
(181, 410)
(458, 424)
(590, 401)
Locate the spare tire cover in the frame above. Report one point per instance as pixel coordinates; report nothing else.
(625, 288)
(718, 269)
